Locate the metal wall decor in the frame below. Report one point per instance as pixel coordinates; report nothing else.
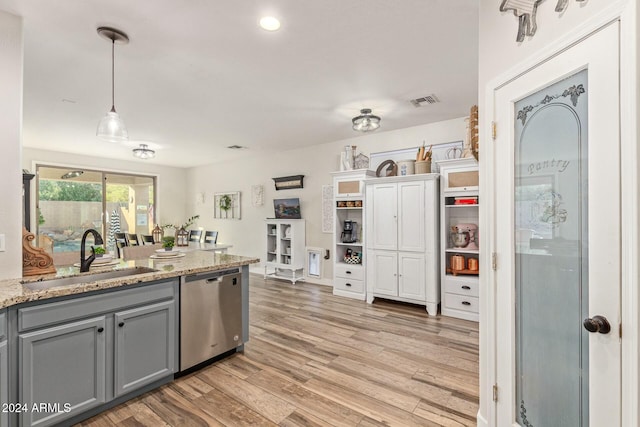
(525, 10)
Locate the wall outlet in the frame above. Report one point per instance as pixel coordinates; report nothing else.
(2, 245)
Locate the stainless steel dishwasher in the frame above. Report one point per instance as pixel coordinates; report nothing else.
(210, 316)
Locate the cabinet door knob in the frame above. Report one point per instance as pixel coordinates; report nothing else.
(466, 287)
(100, 330)
(598, 324)
(466, 303)
(121, 324)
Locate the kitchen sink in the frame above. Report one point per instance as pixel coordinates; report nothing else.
(87, 278)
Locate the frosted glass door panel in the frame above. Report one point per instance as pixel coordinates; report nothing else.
(551, 263)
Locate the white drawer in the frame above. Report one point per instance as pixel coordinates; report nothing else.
(348, 285)
(350, 272)
(461, 302)
(462, 285)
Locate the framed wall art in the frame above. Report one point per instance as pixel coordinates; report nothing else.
(226, 205)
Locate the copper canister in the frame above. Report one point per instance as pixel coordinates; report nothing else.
(457, 262)
(472, 264)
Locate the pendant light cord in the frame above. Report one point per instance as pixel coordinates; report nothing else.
(113, 85)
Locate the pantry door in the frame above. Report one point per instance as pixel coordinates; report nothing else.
(557, 240)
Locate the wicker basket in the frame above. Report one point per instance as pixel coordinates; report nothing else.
(353, 260)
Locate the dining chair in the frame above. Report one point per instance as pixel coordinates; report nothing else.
(211, 237)
(121, 242)
(147, 239)
(132, 238)
(195, 235)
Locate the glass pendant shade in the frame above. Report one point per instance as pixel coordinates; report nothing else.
(366, 122)
(111, 128)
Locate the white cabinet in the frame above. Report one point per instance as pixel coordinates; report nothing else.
(285, 249)
(403, 239)
(459, 264)
(459, 175)
(349, 208)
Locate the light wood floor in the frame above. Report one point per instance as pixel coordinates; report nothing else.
(318, 360)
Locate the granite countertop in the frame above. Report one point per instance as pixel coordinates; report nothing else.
(14, 292)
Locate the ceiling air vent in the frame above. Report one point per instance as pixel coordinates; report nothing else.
(236, 147)
(429, 99)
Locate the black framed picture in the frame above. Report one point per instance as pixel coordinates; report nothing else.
(288, 182)
(287, 208)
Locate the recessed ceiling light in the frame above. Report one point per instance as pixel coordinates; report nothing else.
(270, 23)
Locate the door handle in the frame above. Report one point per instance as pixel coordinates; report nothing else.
(598, 324)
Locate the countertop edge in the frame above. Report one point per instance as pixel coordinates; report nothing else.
(12, 291)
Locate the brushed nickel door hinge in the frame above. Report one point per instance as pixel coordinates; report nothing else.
(494, 261)
(494, 132)
(620, 330)
(495, 392)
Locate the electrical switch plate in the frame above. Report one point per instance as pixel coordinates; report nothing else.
(2, 245)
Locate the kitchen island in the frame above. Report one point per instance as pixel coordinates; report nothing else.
(72, 350)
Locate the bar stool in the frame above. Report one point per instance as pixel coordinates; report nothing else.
(211, 237)
(195, 235)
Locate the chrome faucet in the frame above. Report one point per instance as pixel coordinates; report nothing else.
(85, 264)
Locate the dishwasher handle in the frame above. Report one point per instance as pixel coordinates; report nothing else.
(218, 275)
(213, 279)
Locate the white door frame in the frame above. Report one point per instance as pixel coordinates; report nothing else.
(626, 12)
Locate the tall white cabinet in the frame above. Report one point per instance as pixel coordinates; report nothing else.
(349, 205)
(459, 205)
(285, 249)
(402, 248)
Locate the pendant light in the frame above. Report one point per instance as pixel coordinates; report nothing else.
(366, 122)
(144, 152)
(111, 128)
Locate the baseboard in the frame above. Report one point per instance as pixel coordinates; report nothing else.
(259, 271)
(482, 422)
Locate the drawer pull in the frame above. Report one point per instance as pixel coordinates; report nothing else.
(347, 284)
(348, 272)
(466, 303)
(100, 330)
(465, 287)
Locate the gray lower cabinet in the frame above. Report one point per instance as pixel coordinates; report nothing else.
(76, 354)
(144, 345)
(4, 383)
(63, 366)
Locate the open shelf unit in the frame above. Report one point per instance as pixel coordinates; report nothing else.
(349, 205)
(459, 205)
(285, 249)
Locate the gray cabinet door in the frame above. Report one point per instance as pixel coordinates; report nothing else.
(4, 384)
(145, 345)
(63, 367)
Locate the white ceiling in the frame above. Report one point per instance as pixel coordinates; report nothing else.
(200, 75)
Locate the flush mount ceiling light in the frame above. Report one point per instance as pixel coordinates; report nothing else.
(269, 23)
(72, 174)
(144, 152)
(111, 128)
(366, 122)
